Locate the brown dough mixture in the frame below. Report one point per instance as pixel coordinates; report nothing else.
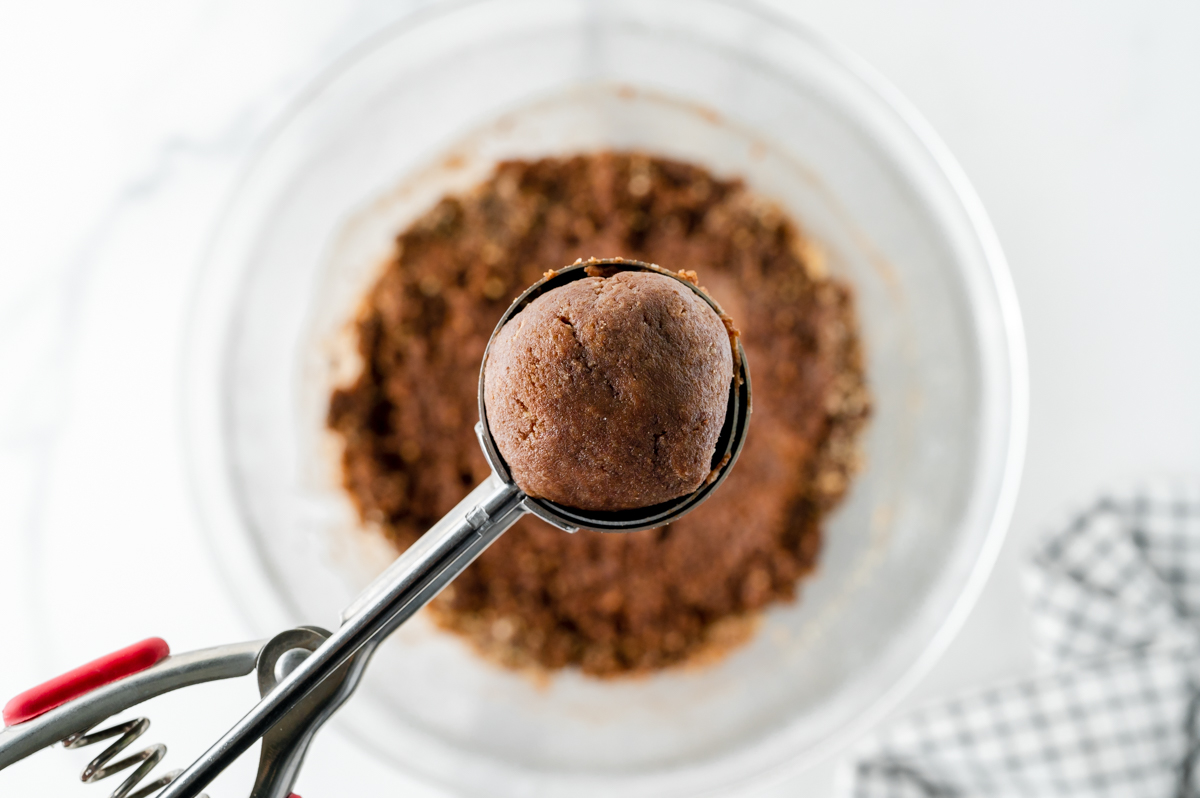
(607, 603)
(609, 393)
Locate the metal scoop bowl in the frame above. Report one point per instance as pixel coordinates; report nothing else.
(729, 442)
(449, 546)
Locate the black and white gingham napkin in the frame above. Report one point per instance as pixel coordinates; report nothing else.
(1115, 599)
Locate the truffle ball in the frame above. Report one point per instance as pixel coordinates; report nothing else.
(609, 393)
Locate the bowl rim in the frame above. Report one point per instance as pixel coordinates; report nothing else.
(890, 99)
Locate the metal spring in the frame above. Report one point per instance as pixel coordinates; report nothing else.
(99, 768)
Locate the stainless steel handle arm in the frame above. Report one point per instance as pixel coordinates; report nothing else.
(180, 670)
(406, 586)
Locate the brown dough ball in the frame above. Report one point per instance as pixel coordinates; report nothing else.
(609, 393)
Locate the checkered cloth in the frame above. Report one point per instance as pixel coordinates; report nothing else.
(1115, 600)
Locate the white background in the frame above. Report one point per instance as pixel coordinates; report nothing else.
(123, 124)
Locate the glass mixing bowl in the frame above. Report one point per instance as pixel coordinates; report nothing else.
(427, 107)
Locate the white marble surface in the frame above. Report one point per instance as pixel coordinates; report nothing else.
(125, 123)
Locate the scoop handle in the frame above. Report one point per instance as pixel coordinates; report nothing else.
(408, 584)
(486, 512)
(84, 679)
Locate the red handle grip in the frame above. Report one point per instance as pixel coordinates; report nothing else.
(84, 679)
